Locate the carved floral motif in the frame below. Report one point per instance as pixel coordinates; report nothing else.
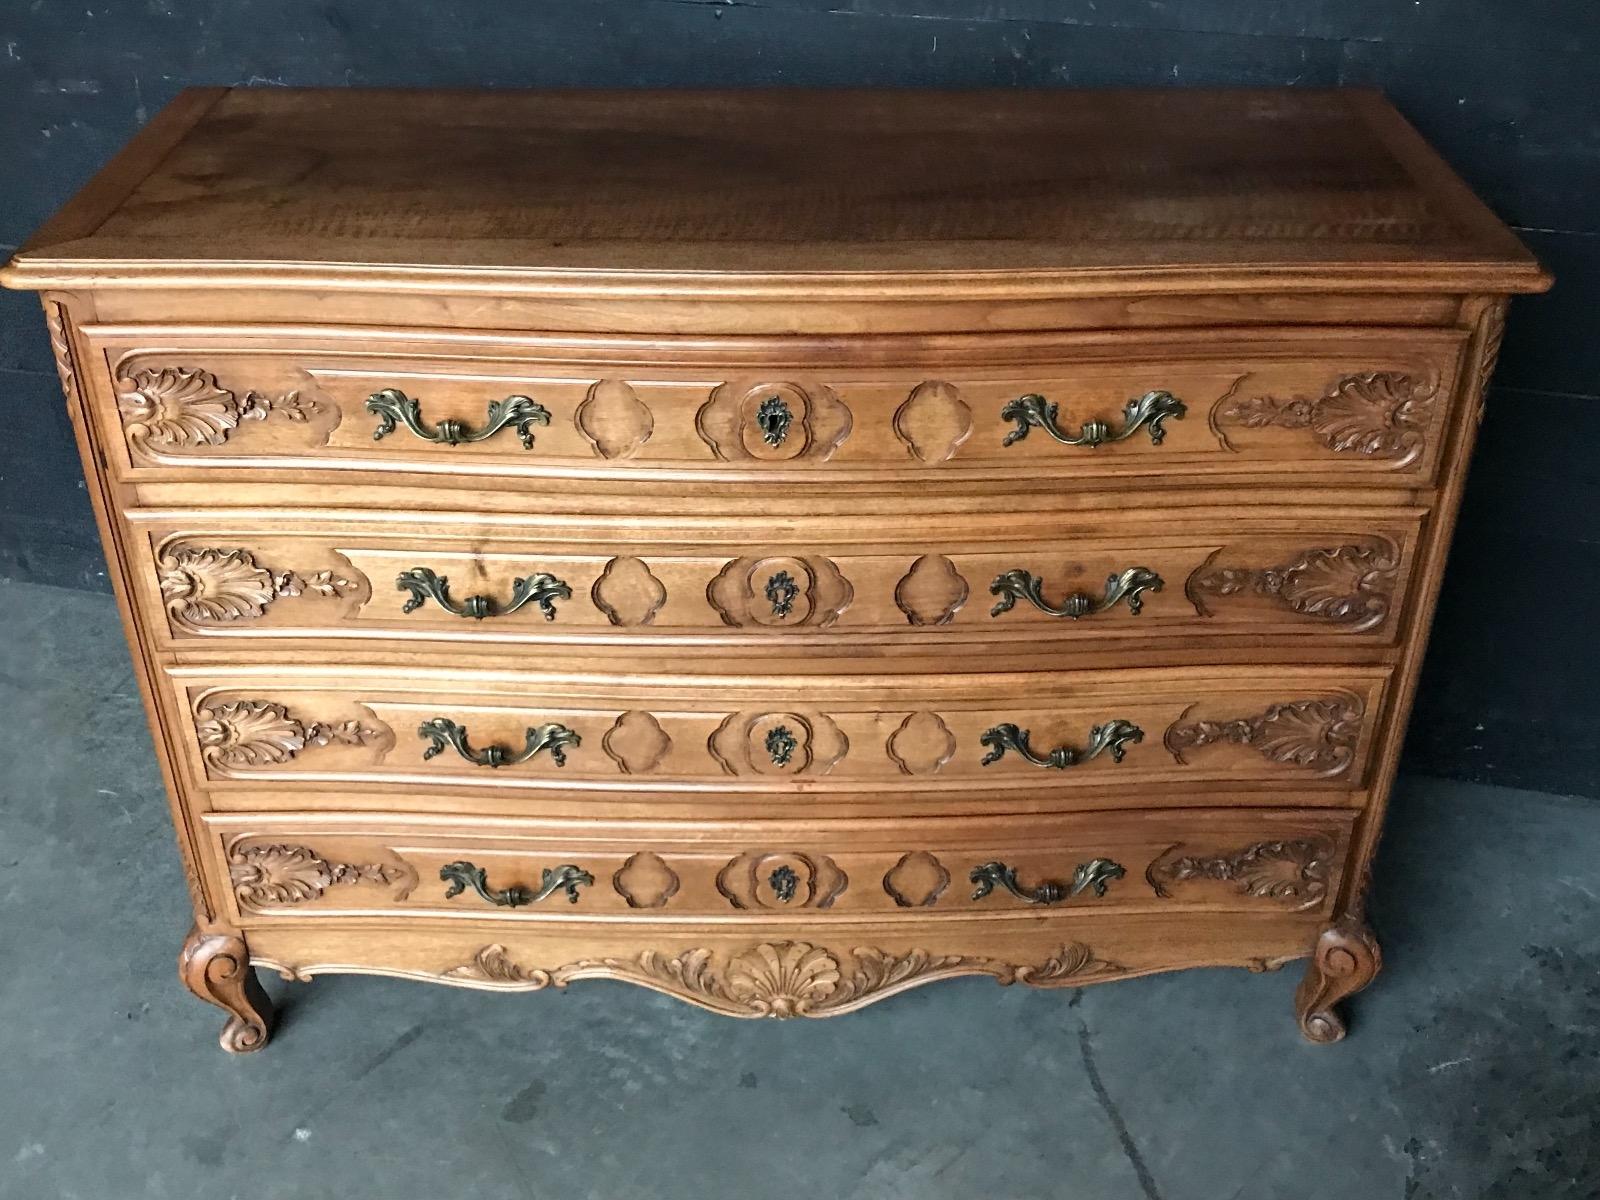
(258, 733)
(264, 876)
(1383, 415)
(1294, 870)
(1352, 585)
(783, 979)
(1320, 735)
(184, 407)
(206, 585)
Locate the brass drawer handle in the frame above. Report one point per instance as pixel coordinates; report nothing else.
(565, 878)
(425, 585)
(1023, 585)
(443, 732)
(1112, 736)
(1148, 410)
(391, 405)
(1093, 875)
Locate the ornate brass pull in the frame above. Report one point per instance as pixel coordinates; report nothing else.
(424, 585)
(1149, 410)
(1023, 585)
(391, 405)
(1113, 736)
(1093, 875)
(565, 878)
(443, 732)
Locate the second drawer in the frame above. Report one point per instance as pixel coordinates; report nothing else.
(975, 583)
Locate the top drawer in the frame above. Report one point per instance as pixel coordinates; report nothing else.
(1022, 411)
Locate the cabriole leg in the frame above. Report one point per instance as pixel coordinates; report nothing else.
(216, 967)
(1344, 961)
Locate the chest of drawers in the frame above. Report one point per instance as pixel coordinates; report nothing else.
(778, 549)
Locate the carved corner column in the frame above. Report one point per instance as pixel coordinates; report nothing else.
(215, 965)
(1344, 960)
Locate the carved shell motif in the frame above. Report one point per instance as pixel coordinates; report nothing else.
(178, 406)
(783, 979)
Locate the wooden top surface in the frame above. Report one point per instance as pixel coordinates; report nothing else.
(1158, 189)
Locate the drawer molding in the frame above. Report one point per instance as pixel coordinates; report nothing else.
(1378, 415)
(186, 408)
(1297, 870)
(1352, 584)
(273, 874)
(781, 979)
(1319, 734)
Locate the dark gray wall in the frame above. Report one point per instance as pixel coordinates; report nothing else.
(1509, 92)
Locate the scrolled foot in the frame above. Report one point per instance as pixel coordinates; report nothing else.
(1345, 960)
(216, 968)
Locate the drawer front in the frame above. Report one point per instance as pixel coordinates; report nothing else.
(778, 741)
(1009, 580)
(1022, 412)
(1266, 862)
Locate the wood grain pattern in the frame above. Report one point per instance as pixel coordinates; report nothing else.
(878, 638)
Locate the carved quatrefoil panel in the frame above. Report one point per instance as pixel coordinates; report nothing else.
(645, 881)
(917, 880)
(614, 419)
(932, 591)
(636, 743)
(780, 879)
(933, 421)
(922, 744)
(780, 592)
(773, 422)
(628, 593)
(768, 743)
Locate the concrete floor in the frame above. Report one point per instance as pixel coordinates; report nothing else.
(1473, 1068)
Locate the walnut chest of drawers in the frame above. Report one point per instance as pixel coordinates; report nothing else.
(778, 549)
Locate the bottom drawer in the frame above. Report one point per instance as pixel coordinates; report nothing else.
(288, 867)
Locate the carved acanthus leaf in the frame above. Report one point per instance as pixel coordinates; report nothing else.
(1295, 870)
(259, 733)
(784, 979)
(264, 876)
(203, 585)
(1352, 585)
(184, 407)
(1320, 735)
(1383, 415)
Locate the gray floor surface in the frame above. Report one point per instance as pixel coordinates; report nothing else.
(1473, 1067)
